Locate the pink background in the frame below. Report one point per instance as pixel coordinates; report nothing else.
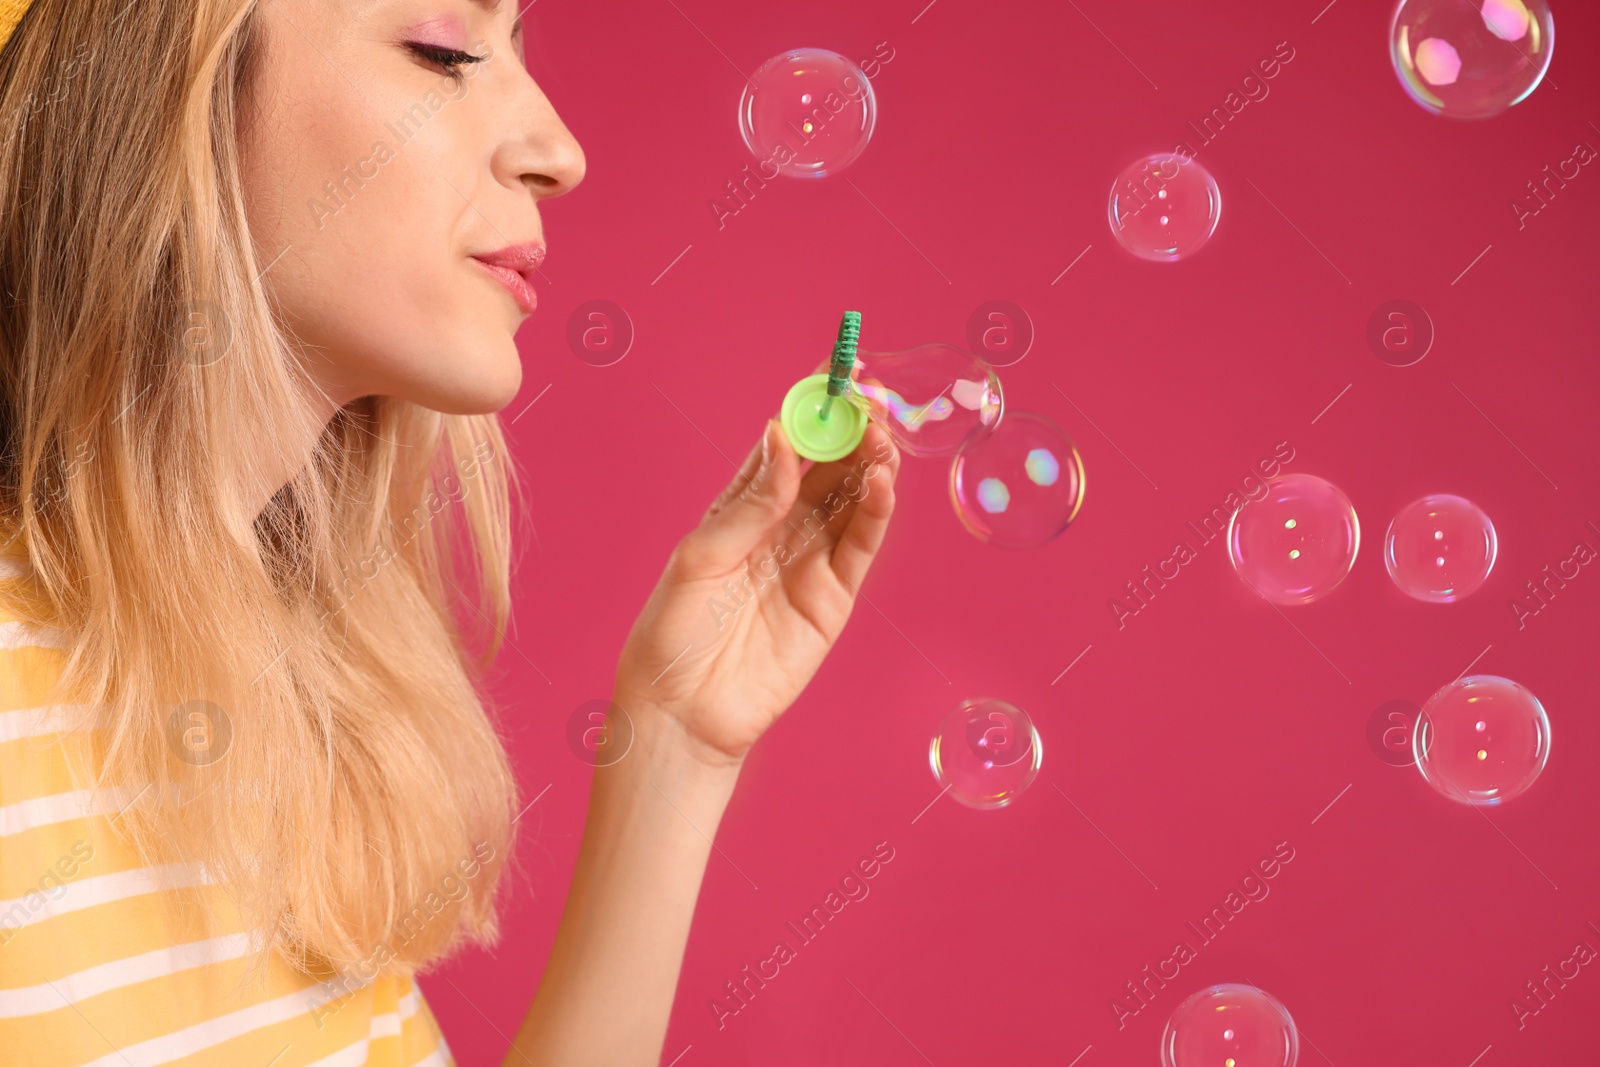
(1209, 728)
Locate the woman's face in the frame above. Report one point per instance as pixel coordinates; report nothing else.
(383, 168)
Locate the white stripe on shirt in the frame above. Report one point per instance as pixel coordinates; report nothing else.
(19, 634)
(211, 1032)
(103, 978)
(38, 721)
(27, 815)
(39, 905)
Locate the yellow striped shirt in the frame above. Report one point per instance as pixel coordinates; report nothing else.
(94, 971)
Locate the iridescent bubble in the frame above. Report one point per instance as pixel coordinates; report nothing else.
(1297, 541)
(807, 113)
(1470, 59)
(1030, 466)
(1164, 207)
(986, 752)
(934, 400)
(1482, 739)
(1230, 1025)
(1440, 548)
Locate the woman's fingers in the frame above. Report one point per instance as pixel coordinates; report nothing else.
(747, 473)
(869, 517)
(835, 497)
(744, 514)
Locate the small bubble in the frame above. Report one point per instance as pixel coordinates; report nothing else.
(985, 753)
(1438, 568)
(776, 103)
(1320, 541)
(1020, 487)
(1470, 59)
(1482, 739)
(1259, 1031)
(1190, 203)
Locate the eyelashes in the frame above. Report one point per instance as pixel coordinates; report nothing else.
(450, 60)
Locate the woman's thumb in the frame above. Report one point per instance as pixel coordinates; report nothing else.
(759, 496)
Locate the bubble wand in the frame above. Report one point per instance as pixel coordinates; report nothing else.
(817, 428)
(844, 360)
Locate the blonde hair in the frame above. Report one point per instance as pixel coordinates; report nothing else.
(142, 380)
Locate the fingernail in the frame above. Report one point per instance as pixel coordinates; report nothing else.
(766, 445)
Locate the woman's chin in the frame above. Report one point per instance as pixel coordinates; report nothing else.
(480, 384)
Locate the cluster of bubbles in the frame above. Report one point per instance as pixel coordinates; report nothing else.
(1298, 540)
(1016, 478)
(810, 112)
(1480, 739)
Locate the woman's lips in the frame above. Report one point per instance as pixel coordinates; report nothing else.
(516, 283)
(514, 266)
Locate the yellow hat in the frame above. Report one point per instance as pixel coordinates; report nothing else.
(11, 12)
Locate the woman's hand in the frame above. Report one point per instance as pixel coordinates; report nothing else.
(754, 597)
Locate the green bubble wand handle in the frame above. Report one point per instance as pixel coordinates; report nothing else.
(818, 429)
(844, 360)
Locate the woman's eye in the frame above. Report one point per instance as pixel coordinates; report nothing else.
(449, 59)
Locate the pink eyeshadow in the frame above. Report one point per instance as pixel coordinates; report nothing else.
(441, 31)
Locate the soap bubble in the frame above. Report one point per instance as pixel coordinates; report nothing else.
(807, 113)
(1440, 548)
(1470, 59)
(1297, 541)
(1020, 487)
(1230, 1025)
(1482, 739)
(934, 400)
(1164, 207)
(986, 752)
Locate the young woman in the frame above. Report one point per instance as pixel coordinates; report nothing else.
(262, 266)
